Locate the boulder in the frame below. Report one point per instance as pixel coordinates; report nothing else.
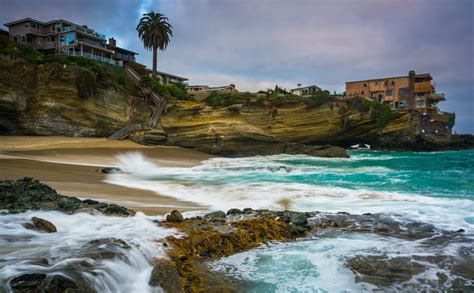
(90, 202)
(165, 275)
(175, 217)
(48, 283)
(40, 225)
(233, 212)
(299, 219)
(218, 215)
(111, 170)
(28, 194)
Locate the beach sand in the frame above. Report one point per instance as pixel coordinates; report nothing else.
(73, 167)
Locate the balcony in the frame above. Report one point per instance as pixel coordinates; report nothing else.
(424, 86)
(437, 97)
(84, 30)
(93, 57)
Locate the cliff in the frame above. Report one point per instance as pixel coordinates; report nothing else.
(74, 96)
(56, 99)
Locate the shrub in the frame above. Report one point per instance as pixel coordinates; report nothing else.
(318, 99)
(383, 115)
(86, 84)
(17, 50)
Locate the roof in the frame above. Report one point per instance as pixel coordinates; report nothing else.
(393, 77)
(305, 87)
(124, 50)
(196, 85)
(169, 74)
(37, 21)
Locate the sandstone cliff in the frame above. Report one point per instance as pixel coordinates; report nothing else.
(72, 97)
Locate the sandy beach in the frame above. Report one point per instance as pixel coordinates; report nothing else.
(72, 165)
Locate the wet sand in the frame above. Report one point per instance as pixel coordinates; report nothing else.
(72, 166)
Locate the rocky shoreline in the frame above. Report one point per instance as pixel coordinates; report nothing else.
(219, 234)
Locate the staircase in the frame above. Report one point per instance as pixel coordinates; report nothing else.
(158, 101)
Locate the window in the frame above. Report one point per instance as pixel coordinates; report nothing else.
(420, 103)
(389, 93)
(62, 40)
(396, 105)
(420, 94)
(29, 40)
(362, 92)
(27, 24)
(386, 82)
(365, 84)
(403, 103)
(404, 91)
(70, 38)
(393, 82)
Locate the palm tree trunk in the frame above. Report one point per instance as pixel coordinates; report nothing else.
(155, 57)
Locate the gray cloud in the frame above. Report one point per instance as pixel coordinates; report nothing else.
(257, 44)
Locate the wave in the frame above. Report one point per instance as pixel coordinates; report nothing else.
(221, 184)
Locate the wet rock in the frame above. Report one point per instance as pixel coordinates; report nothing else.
(28, 194)
(175, 217)
(44, 283)
(40, 224)
(102, 205)
(218, 215)
(299, 219)
(111, 170)
(165, 275)
(247, 210)
(382, 271)
(90, 202)
(233, 212)
(116, 210)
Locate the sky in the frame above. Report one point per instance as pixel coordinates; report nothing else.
(258, 44)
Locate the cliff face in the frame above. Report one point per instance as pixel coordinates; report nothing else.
(251, 130)
(46, 99)
(43, 99)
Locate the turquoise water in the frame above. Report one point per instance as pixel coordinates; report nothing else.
(409, 190)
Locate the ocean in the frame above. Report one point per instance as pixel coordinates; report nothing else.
(427, 196)
(410, 218)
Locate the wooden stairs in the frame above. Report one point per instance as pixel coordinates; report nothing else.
(158, 101)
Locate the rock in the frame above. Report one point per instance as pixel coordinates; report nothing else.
(40, 225)
(90, 202)
(233, 212)
(116, 210)
(102, 205)
(175, 217)
(111, 170)
(382, 271)
(299, 219)
(215, 215)
(48, 283)
(165, 275)
(28, 194)
(247, 210)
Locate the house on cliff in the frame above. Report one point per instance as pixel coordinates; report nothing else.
(412, 92)
(305, 90)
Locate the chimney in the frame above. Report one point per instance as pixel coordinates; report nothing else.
(299, 85)
(112, 43)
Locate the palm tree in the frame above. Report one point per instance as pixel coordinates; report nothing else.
(155, 32)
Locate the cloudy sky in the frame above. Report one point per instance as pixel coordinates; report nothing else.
(257, 44)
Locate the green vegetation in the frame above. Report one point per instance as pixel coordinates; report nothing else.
(17, 50)
(318, 99)
(227, 99)
(86, 84)
(382, 112)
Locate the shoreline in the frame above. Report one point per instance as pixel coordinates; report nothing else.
(73, 166)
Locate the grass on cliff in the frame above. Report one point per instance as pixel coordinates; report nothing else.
(16, 50)
(382, 112)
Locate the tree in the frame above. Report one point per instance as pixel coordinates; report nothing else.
(155, 32)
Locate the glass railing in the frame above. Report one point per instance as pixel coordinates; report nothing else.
(84, 30)
(93, 57)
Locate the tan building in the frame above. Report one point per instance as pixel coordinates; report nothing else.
(65, 37)
(410, 92)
